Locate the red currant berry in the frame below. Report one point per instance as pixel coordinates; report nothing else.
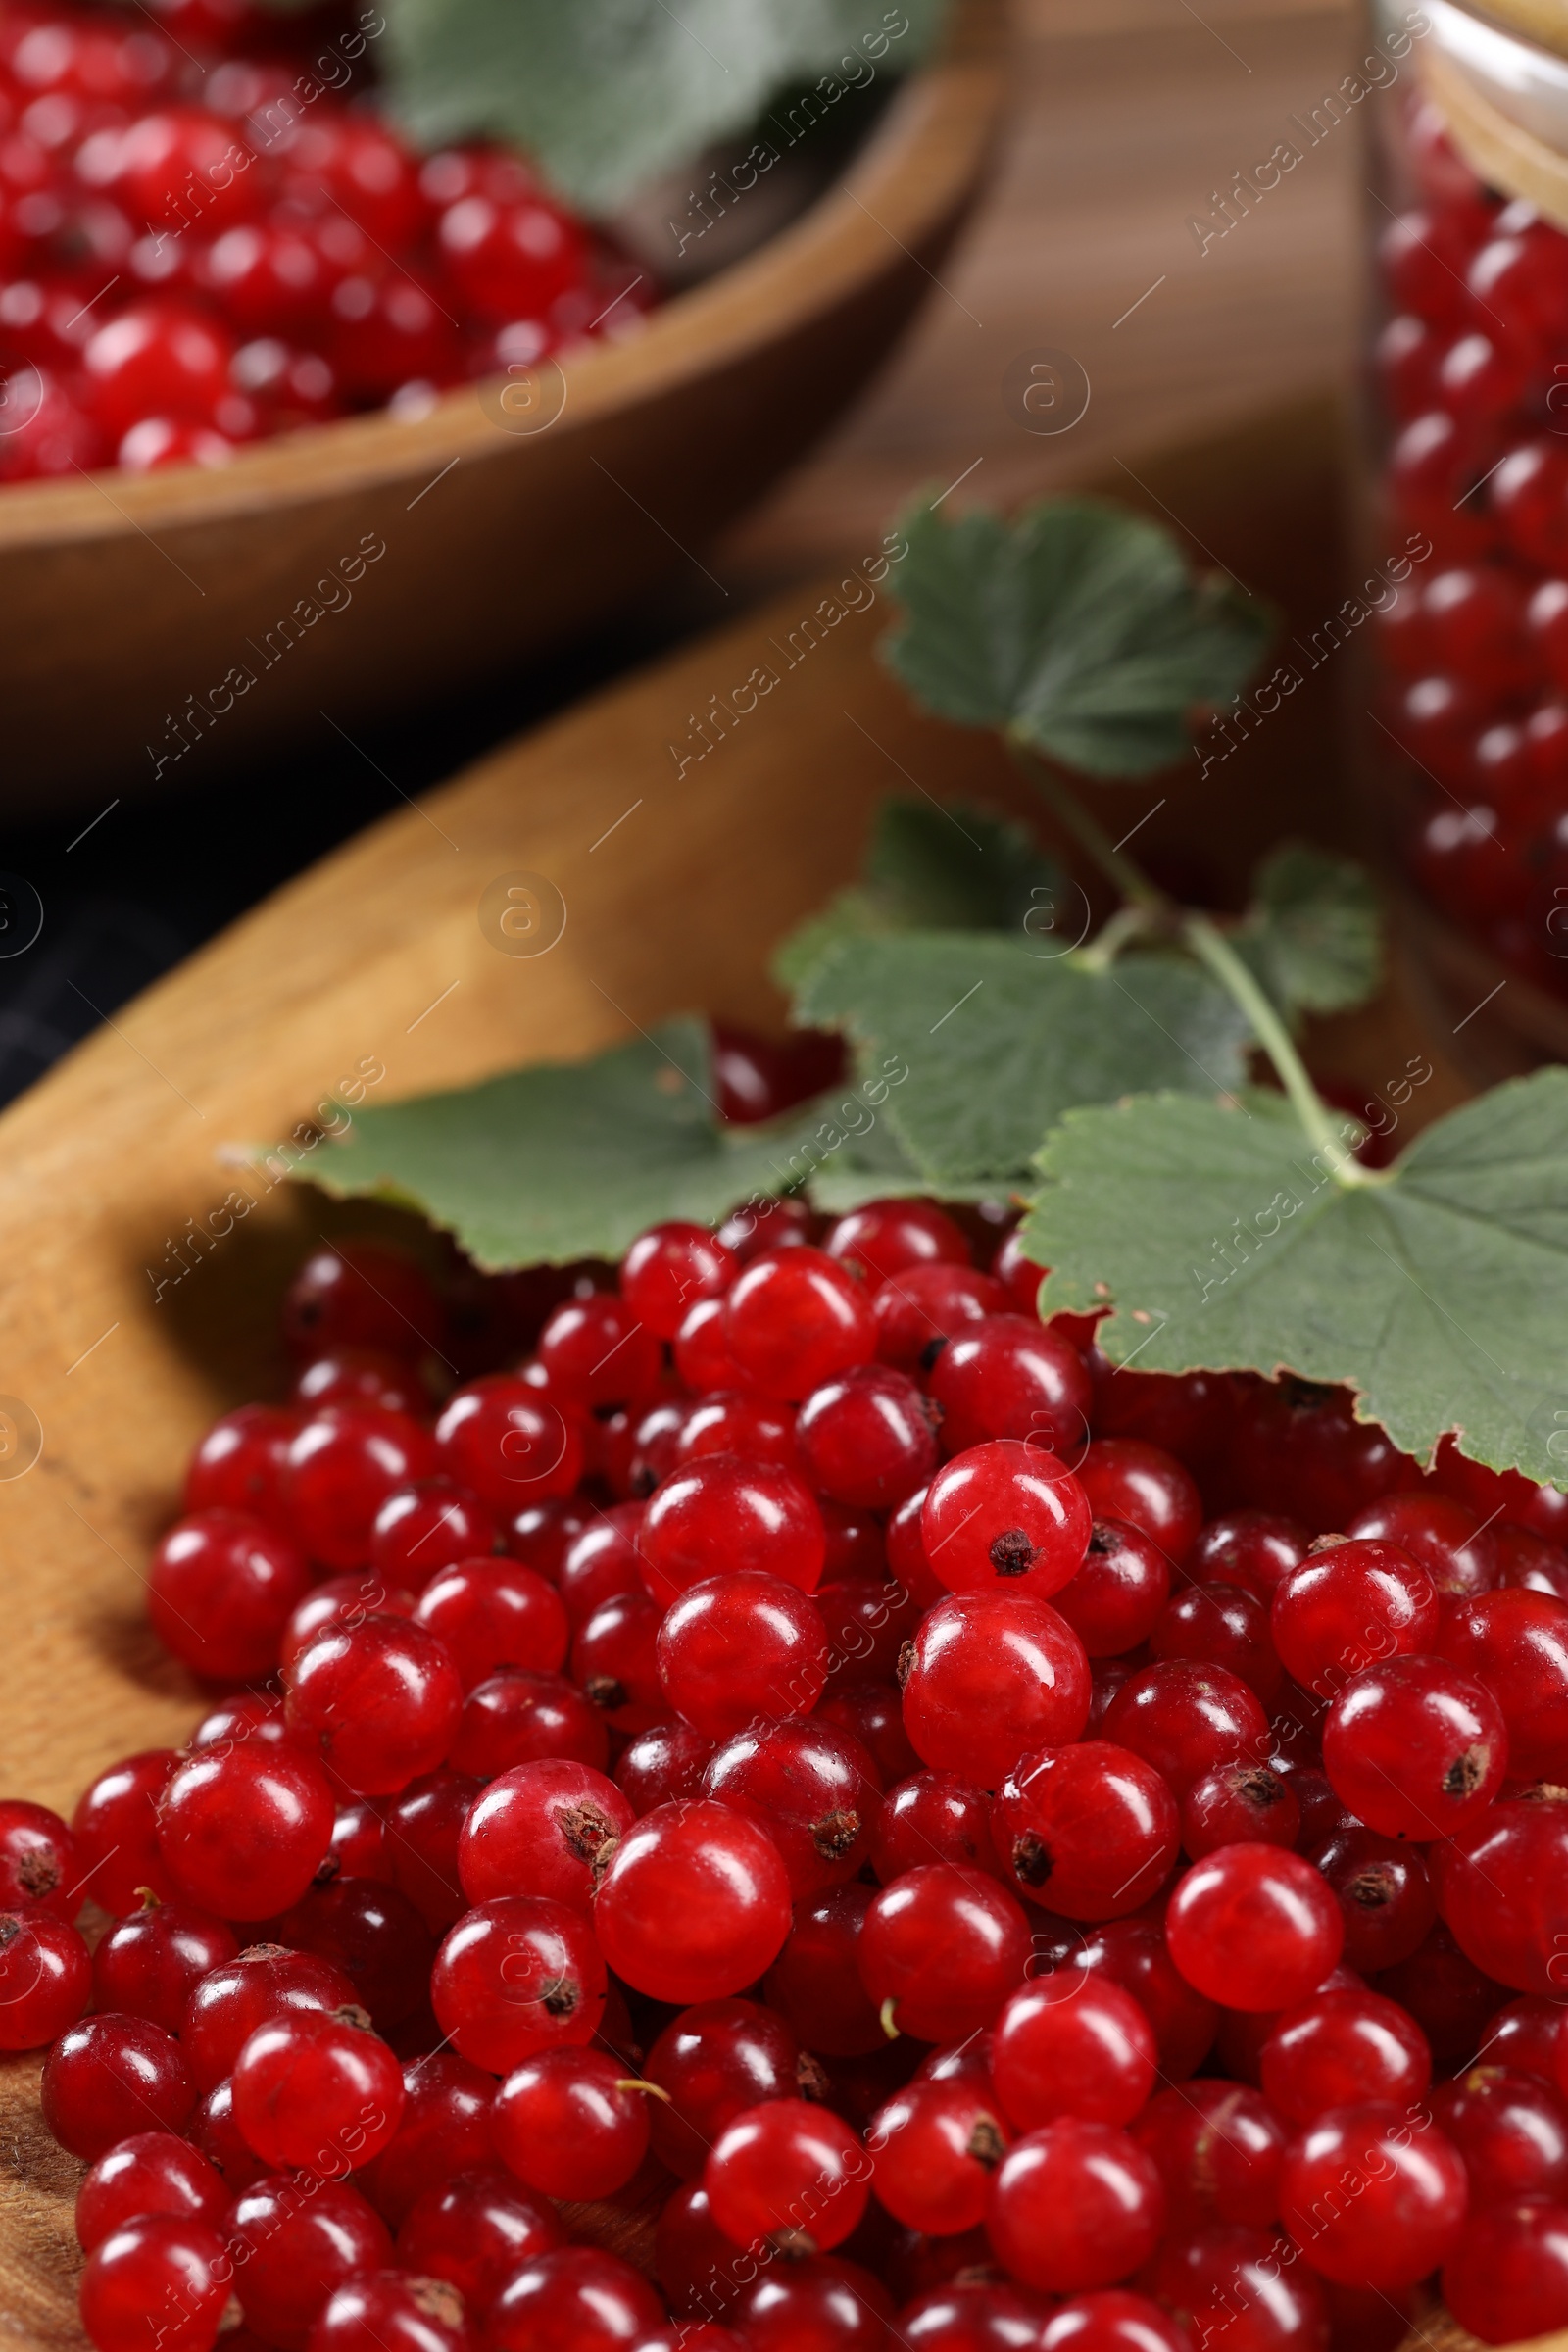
(294, 2244)
(794, 1319)
(1090, 1829)
(1510, 2131)
(421, 1530)
(116, 1829)
(516, 1976)
(702, 1358)
(1525, 2036)
(729, 1421)
(695, 1903)
(1445, 1993)
(108, 2076)
(1187, 1721)
(1067, 2045)
(1409, 2201)
(39, 1860)
(813, 1788)
(1239, 1804)
(615, 1662)
(921, 1308)
(1254, 1927)
(242, 1829)
(721, 1514)
(151, 1961)
(238, 1466)
(518, 1717)
(1114, 1598)
(936, 2145)
(1241, 2280)
(575, 2299)
(546, 1828)
(220, 1590)
(816, 1982)
(1515, 1643)
(422, 1825)
(715, 2060)
(887, 1238)
(662, 1764)
(789, 2173)
(488, 1613)
(602, 1561)
(1439, 1534)
(598, 1352)
(1076, 2205)
(819, 2305)
(390, 2310)
(317, 2089)
(868, 1626)
(989, 1675)
(340, 1601)
(667, 1269)
(1221, 1625)
(380, 1700)
(474, 2230)
(1249, 1548)
(1133, 1952)
(933, 1817)
(444, 2130)
(568, 2123)
(45, 1977)
(1506, 2275)
(231, 2000)
(1218, 2146)
(1415, 1749)
(360, 1376)
(164, 2271)
(1502, 1888)
(510, 1443)
(1110, 2321)
(1008, 1377)
(940, 1951)
(1342, 2049)
(1349, 1606)
(1128, 1479)
(1005, 1509)
(739, 1646)
(541, 1534)
(152, 2172)
(866, 1437)
(342, 1467)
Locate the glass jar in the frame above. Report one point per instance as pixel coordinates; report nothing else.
(1470, 387)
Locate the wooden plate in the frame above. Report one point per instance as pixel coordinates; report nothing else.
(139, 614)
(141, 1278)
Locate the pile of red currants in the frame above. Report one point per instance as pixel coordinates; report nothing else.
(1473, 368)
(997, 1854)
(207, 236)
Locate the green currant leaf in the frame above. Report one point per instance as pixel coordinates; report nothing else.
(573, 1160)
(1000, 1039)
(607, 94)
(931, 866)
(1313, 935)
(1218, 1241)
(1076, 629)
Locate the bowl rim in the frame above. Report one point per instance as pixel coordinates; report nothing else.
(914, 167)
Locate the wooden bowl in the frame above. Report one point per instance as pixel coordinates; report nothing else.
(139, 615)
(143, 1268)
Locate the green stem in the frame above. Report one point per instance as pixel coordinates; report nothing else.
(1208, 943)
(1125, 925)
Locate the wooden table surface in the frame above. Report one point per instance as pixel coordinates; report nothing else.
(1129, 114)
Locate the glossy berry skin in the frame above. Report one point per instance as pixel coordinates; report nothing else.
(712, 2062)
(1510, 2131)
(1130, 1479)
(40, 1865)
(602, 1560)
(565, 2124)
(815, 1984)
(108, 2076)
(1186, 1720)
(317, 2090)
(575, 2299)
(1340, 2049)
(489, 1613)
(1402, 2221)
(668, 1268)
(1254, 1927)
(941, 1950)
(239, 1465)
(343, 1465)
(1415, 1749)
(152, 2172)
(733, 1421)
(662, 1764)
(422, 1529)
(339, 1601)
(242, 1829)
(379, 1701)
(1112, 2320)
(518, 1715)
(1219, 2146)
(229, 2004)
(933, 1817)
(795, 1318)
(1008, 1377)
(390, 2310)
(1008, 1512)
(475, 2229)
(866, 1437)
(173, 2265)
(116, 1829)
(790, 2172)
(516, 1976)
(989, 1675)
(1066, 2046)
(1251, 1548)
(299, 2249)
(1385, 1895)
(360, 1376)
(695, 1903)
(820, 2305)
(615, 1662)
(1089, 1830)
(1237, 1805)
(1502, 1888)
(1506, 2276)
(45, 1977)
(718, 1515)
(444, 2130)
(1243, 2282)
(936, 2147)
(919, 1309)
(1113, 1599)
(150, 1962)
(883, 1238)
(1220, 1624)
(546, 1828)
(220, 1590)
(1345, 1609)
(1516, 1645)
(360, 1295)
(509, 1443)
(813, 1787)
(597, 1351)
(1439, 1534)
(1076, 2205)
